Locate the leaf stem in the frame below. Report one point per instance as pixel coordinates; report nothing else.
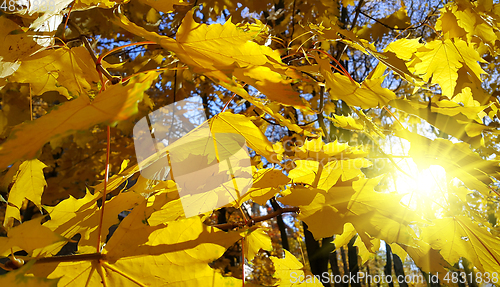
(106, 174)
(344, 71)
(71, 258)
(227, 104)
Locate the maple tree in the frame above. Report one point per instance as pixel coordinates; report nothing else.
(334, 100)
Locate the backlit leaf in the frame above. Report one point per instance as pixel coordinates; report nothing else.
(71, 72)
(116, 103)
(29, 183)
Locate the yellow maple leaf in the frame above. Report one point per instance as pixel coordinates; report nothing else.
(221, 50)
(458, 236)
(71, 72)
(347, 234)
(381, 215)
(265, 185)
(82, 216)
(239, 124)
(176, 254)
(255, 241)
(427, 258)
(29, 183)
(348, 123)
(290, 272)
(439, 61)
(28, 236)
(16, 46)
(117, 103)
(369, 94)
(19, 279)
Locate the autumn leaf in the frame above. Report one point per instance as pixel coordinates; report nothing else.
(239, 124)
(71, 72)
(18, 46)
(29, 183)
(458, 236)
(81, 216)
(179, 253)
(367, 95)
(18, 278)
(255, 241)
(266, 183)
(116, 103)
(219, 50)
(428, 63)
(290, 272)
(28, 236)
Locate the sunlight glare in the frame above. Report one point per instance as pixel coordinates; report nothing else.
(426, 188)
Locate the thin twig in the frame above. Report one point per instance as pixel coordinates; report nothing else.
(97, 62)
(228, 226)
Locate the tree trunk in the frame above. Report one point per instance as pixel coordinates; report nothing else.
(352, 253)
(318, 260)
(281, 225)
(399, 270)
(388, 264)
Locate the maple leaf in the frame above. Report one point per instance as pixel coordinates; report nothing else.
(348, 123)
(427, 258)
(457, 158)
(290, 272)
(458, 236)
(71, 72)
(219, 50)
(176, 253)
(28, 236)
(266, 183)
(367, 95)
(255, 241)
(467, 20)
(29, 183)
(399, 19)
(81, 216)
(18, 278)
(450, 117)
(239, 124)
(115, 104)
(455, 53)
(18, 46)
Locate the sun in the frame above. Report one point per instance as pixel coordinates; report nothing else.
(424, 189)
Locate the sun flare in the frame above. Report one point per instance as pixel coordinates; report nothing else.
(422, 189)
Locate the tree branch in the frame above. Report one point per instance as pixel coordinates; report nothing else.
(228, 226)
